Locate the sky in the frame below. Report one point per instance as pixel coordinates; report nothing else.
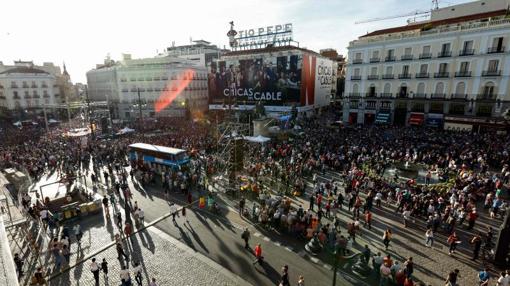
(82, 33)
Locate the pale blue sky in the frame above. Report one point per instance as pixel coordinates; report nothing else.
(83, 32)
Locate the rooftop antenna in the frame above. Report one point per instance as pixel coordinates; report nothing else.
(435, 4)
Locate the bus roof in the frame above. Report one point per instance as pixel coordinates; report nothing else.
(156, 148)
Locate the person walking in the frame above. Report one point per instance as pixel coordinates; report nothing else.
(476, 241)
(153, 282)
(125, 278)
(483, 277)
(141, 216)
(242, 203)
(246, 237)
(387, 238)
(452, 241)
(19, 264)
(409, 267)
(301, 281)
(120, 252)
(104, 267)
(137, 271)
(128, 230)
(258, 254)
(284, 280)
(429, 235)
(118, 218)
(368, 219)
(94, 268)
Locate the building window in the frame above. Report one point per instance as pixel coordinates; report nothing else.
(387, 88)
(464, 67)
(375, 54)
(488, 90)
(358, 56)
(27, 95)
(357, 72)
(443, 68)
(493, 65)
(15, 94)
(389, 70)
(24, 84)
(373, 71)
(424, 68)
(421, 88)
(405, 69)
(47, 101)
(408, 51)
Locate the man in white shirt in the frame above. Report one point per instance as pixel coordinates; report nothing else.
(94, 268)
(141, 215)
(153, 282)
(124, 275)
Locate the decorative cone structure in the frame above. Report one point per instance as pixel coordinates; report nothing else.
(314, 246)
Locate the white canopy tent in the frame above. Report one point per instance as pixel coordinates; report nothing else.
(257, 139)
(125, 130)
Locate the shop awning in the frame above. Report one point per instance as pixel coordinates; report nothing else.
(382, 118)
(434, 119)
(416, 118)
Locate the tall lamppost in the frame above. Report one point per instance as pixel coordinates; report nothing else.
(89, 112)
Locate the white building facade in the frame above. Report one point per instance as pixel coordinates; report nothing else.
(452, 71)
(149, 83)
(29, 89)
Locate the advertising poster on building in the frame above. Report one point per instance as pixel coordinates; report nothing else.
(272, 80)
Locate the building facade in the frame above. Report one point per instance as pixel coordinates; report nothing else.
(26, 89)
(279, 77)
(200, 51)
(340, 63)
(451, 71)
(129, 84)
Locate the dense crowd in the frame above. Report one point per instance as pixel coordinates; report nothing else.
(473, 170)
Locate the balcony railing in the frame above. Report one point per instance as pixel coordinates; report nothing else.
(46, 95)
(495, 50)
(370, 94)
(388, 76)
(44, 86)
(27, 96)
(420, 95)
(385, 95)
(491, 73)
(355, 77)
(444, 54)
(404, 76)
(441, 75)
(389, 59)
(375, 60)
(2, 97)
(16, 97)
(422, 75)
(354, 94)
(36, 96)
(457, 96)
(372, 77)
(402, 95)
(425, 56)
(463, 74)
(357, 61)
(56, 95)
(466, 52)
(488, 97)
(33, 86)
(437, 95)
(406, 57)
(25, 86)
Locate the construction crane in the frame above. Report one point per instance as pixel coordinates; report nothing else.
(416, 14)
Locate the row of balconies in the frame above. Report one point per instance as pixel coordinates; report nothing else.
(161, 89)
(440, 96)
(486, 73)
(163, 78)
(27, 86)
(423, 56)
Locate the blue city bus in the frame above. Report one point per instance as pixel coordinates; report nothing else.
(159, 157)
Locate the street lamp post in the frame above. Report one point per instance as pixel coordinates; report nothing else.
(88, 111)
(140, 109)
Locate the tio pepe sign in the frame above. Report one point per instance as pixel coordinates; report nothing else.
(266, 31)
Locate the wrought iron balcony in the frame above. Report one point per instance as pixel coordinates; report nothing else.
(463, 74)
(404, 76)
(406, 57)
(386, 95)
(422, 75)
(372, 77)
(420, 95)
(388, 76)
(438, 96)
(444, 54)
(491, 73)
(355, 77)
(495, 50)
(466, 52)
(441, 75)
(375, 60)
(357, 61)
(389, 59)
(425, 56)
(458, 96)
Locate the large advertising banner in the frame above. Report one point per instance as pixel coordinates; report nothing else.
(273, 80)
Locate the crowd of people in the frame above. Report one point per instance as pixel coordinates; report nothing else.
(473, 170)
